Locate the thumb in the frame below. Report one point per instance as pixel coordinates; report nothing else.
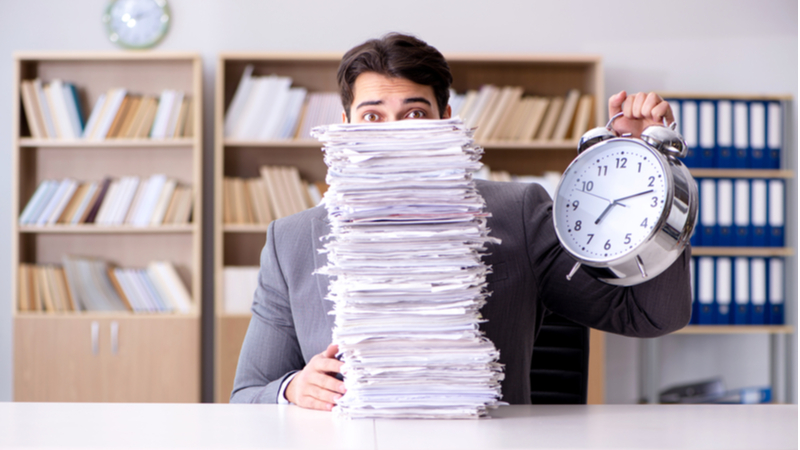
(331, 351)
(615, 103)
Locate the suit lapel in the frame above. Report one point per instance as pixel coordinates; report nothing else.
(319, 229)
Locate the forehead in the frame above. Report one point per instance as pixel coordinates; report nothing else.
(371, 86)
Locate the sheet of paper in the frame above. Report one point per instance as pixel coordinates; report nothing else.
(407, 280)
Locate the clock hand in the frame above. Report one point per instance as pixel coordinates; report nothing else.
(634, 195)
(594, 195)
(603, 214)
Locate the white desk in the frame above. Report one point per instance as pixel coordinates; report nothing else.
(201, 426)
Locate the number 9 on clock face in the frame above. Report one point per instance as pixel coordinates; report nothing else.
(610, 200)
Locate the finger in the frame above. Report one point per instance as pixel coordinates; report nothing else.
(650, 102)
(323, 395)
(627, 107)
(313, 403)
(331, 351)
(615, 103)
(320, 364)
(663, 110)
(638, 102)
(327, 382)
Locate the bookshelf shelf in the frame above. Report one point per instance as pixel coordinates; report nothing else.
(245, 228)
(119, 356)
(109, 143)
(240, 245)
(741, 173)
(310, 143)
(99, 229)
(737, 329)
(742, 251)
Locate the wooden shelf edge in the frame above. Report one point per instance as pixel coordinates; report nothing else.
(489, 145)
(106, 229)
(736, 329)
(742, 251)
(39, 315)
(724, 96)
(108, 143)
(33, 55)
(741, 173)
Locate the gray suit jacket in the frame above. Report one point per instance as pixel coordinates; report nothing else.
(291, 324)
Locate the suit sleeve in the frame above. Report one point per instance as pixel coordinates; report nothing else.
(650, 309)
(270, 352)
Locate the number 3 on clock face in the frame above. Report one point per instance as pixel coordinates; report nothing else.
(610, 201)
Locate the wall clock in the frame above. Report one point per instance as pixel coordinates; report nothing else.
(136, 24)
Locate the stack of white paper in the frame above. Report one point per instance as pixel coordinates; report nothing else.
(407, 281)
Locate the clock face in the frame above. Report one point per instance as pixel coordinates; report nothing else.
(137, 23)
(610, 200)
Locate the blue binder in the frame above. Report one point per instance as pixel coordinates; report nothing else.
(741, 135)
(689, 130)
(706, 134)
(758, 213)
(724, 154)
(758, 135)
(741, 212)
(725, 212)
(708, 212)
(776, 209)
(723, 294)
(741, 291)
(706, 309)
(775, 291)
(774, 134)
(758, 291)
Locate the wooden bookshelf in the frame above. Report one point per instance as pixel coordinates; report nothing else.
(240, 245)
(120, 356)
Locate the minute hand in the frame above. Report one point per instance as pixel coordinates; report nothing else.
(631, 196)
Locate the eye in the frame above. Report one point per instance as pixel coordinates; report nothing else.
(416, 114)
(371, 117)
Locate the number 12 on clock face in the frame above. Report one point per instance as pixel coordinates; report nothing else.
(610, 201)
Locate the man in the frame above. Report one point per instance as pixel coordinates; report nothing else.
(286, 356)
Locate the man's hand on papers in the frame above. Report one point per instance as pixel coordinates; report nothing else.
(316, 386)
(641, 110)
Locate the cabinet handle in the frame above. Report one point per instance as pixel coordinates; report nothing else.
(95, 337)
(114, 337)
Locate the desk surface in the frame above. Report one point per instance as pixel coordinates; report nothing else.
(202, 426)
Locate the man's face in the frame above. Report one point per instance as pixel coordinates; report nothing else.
(378, 98)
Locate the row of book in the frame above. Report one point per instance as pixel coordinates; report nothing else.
(279, 192)
(740, 212)
(53, 110)
(269, 108)
(505, 114)
(737, 290)
(157, 200)
(725, 133)
(85, 284)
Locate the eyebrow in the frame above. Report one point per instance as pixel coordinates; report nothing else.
(405, 102)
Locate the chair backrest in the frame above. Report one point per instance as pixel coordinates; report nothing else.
(560, 363)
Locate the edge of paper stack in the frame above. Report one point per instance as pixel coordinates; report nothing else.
(408, 228)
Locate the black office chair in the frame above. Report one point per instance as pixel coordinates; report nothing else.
(560, 363)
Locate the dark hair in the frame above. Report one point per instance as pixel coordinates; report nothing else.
(396, 55)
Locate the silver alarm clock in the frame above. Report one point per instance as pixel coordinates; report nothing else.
(625, 208)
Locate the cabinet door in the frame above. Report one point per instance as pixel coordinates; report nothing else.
(58, 359)
(153, 359)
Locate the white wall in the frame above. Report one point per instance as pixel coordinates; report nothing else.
(730, 46)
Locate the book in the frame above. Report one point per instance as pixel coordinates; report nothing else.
(44, 107)
(583, 116)
(240, 97)
(161, 204)
(547, 127)
(94, 116)
(566, 116)
(534, 118)
(32, 113)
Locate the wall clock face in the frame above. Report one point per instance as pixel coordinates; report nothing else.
(136, 24)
